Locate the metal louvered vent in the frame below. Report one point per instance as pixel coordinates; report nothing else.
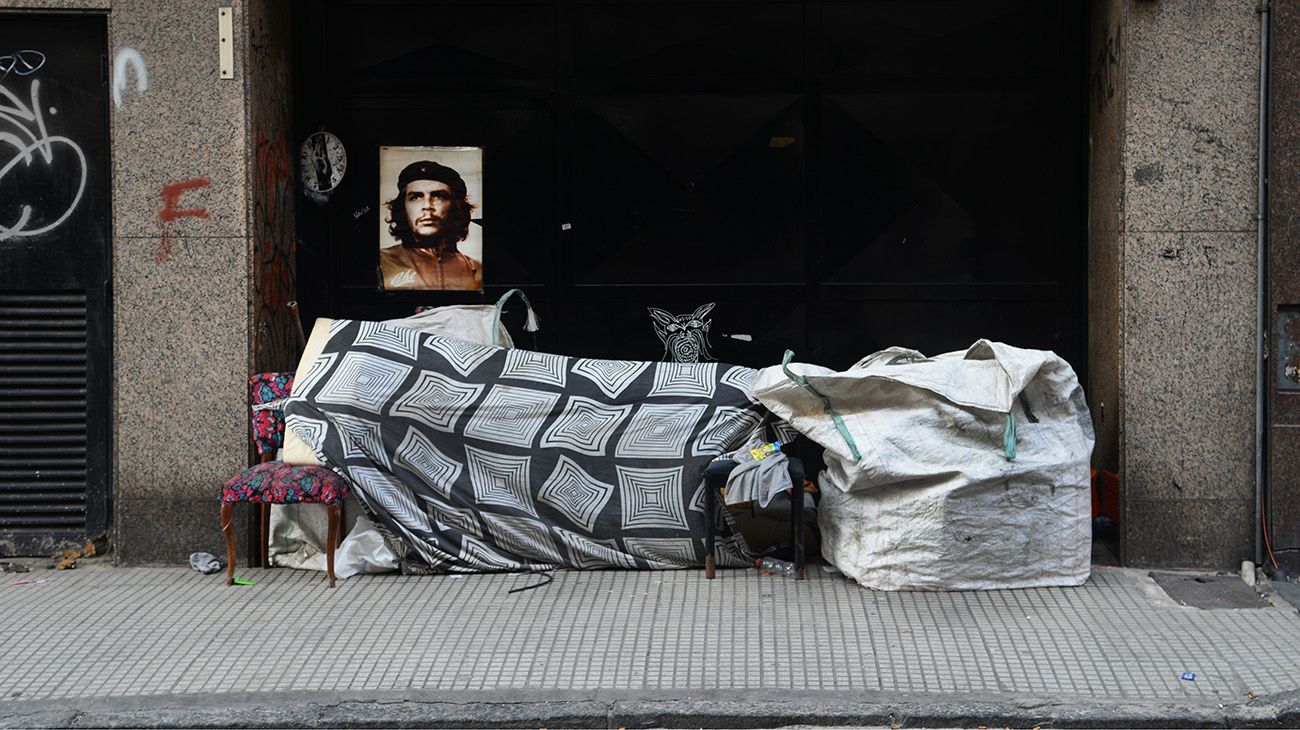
(42, 411)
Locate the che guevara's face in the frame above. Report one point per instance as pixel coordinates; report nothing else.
(427, 204)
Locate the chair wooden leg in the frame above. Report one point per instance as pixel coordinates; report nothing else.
(335, 520)
(228, 527)
(265, 523)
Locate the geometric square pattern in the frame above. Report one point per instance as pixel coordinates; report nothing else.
(302, 387)
(500, 479)
(586, 553)
(397, 340)
(666, 552)
(575, 493)
(310, 430)
(462, 520)
(363, 380)
(436, 400)
(362, 438)
(611, 376)
(785, 433)
(418, 454)
(461, 355)
(510, 415)
(483, 458)
(584, 425)
(481, 556)
(659, 431)
(540, 367)
(652, 498)
(528, 539)
(729, 428)
(689, 379)
(740, 378)
(389, 494)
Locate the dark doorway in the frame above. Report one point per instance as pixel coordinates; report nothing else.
(838, 177)
(54, 325)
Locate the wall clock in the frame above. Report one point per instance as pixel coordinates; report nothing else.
(322, 160)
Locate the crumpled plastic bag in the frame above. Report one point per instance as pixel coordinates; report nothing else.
(206, 563)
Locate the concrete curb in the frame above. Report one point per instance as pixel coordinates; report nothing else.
(609, 709)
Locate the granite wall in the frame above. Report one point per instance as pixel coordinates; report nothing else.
(193, 178)
(1284, 280)
(1173, 270)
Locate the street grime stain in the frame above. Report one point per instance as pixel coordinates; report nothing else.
(1147, 174)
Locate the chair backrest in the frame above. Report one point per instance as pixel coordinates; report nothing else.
(268, 423)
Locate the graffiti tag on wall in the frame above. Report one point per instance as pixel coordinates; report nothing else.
(128, 59)
(42, 175)
(171, 211)
(1105, 68)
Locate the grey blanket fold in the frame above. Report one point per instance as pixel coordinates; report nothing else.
(757, 480)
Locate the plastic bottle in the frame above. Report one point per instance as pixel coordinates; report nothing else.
(772, 566)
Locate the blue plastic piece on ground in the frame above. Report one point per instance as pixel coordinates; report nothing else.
(1189, 676)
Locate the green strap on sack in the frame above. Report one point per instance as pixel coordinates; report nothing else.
(530, 324)
(826, 404)
(1008, 433)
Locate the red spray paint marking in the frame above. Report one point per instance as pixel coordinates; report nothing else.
(171, 195)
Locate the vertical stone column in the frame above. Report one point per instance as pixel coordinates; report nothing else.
(1105, 228)
(181, 275)
(1183, 248)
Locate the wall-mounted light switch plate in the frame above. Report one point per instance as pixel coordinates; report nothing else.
(226, 31)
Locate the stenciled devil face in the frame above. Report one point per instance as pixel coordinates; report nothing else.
(685, 336)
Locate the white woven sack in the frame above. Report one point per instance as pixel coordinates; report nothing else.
(969, 470)
(480, 323)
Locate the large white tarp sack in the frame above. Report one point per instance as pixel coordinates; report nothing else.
(969, 470)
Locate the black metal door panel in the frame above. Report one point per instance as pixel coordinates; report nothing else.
(54, 232)
(836, 176)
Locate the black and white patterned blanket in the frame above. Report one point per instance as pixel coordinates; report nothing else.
(489, 459)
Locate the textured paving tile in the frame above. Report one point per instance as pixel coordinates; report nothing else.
(147, 631)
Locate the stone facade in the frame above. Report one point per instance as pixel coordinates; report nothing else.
(185, 335)
(1172, 274)
(199, 301)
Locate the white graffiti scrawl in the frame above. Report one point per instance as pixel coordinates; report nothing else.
(128, 59)
(25, 142)
(22, 63)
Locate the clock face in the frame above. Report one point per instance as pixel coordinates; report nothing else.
(322, 162)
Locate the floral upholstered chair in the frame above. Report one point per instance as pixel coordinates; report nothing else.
(274, 482)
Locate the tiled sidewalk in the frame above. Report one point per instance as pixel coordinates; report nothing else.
(137, 632)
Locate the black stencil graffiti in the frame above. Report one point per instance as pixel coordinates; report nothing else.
(1105, 69)
(44, 197)
(685, 336)
(21, 63)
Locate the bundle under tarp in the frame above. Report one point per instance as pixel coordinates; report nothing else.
(490, 459)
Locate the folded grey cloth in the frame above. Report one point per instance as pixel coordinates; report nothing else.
(205, 563)
(757, 480)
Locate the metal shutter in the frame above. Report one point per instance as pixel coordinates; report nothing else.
(43, 417)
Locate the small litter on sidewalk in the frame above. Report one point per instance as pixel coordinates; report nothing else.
(67, 559)
(205, 563)
(1188, 677)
